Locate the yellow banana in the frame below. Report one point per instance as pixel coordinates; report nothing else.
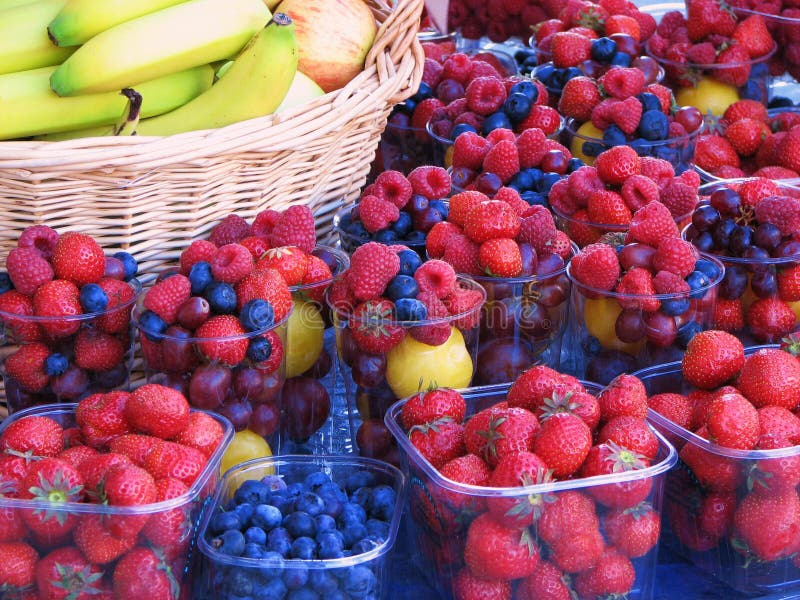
(81, 20)
(29, 107)
(23, 37)
(253, 86)
(192, 33)
(4, 4)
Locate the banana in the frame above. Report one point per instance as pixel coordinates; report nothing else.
(192, 33)
(81, 20)
(24, 43)
(253, 86)
(4, 4)
(127, 123)
(302, 90)
(29, 107)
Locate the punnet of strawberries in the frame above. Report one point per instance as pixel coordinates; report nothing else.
(550, 526)
(732, 415)
(100, 499)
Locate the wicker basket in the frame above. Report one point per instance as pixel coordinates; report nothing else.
(152, 195)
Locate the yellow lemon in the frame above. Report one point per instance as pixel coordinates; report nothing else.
(600, 316)
(795, 306)
(576, 147)
(245, 445)
(306, 331)
(412, 366)
(708, 95)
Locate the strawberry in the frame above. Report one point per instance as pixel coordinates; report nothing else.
(98, 351)
(577, 552)
(438, 237)
(578, 97)
(93, 471)
(26, 366)
(373, 328)
(135, 446)
(316, 279)
(546, 581)
(752, 33)
(616, 164)
(513, 470)
(21, 330)
(65, 574)
(746, 109)
(127, 485)
(101, 418)
(75, 455)
(771, 377)
(770, 319)
(265, 284)
(203, 432)
(563, 442)
(170, 529)
(712, 152)
(223, 340)
(652, 223)
(789, 283)
(493, 551)
(776, 422)
(143, 572)
(499, 432)
(610, 458)
(781, 211)
(631, 433)
(425, 407)
(637, 290)
(78, 259)
(58, 298)
(56, 481)
(675, 407)
(97, 543)
(624, 24)
(35, 436)
(535, 385)
(712, 358)
(28, 269)
(570, 49)
(769, 525)
(625, 395)
(596, 266)
(746, 135)
(372, 267)
(116, 317)
(732, 422)
(612, 574)
(608, 207)
(166, 297)
(439, 441)
(634, 531)
(157, 410)
(704, 17)
(294, 227)
(490, 220)
(170, 459)
(500, 257)
(461, 204)
(715, 514)
(787, 150)
(502, 159)
(581, 404)
(712, 471)
(568, 512)
(469, 587)
(17, 565)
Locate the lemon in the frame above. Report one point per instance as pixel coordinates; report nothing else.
(708, 95)
(795, 306)
(576, 147)
(600, 317)
(245, 445)
(412, 366)
(306, 331)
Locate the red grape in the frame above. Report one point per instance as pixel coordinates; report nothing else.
(322, 367)
(265, 419)
(373, 438)
(503, 359)
(649, 67)
(529, 260)
(369, 369)
(307, 407)
(114, 268)
(636, 255)
(178, 353)
(237, 412)
(554, 161)
(193, 312)
(630, 326)
(70, 384)
(690, 117)
(209, 386)
(661, 329)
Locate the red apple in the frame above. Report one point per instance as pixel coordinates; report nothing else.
(333, 38)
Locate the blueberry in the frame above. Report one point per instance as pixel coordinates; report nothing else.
(363, 497)
(221, 298)
(323, 582)
(545, 73)
(303, 548)
(55, 364)
(753, 89)
(357, 230)
(257, 314)
(591, 346)
(271, 565)
(385, 236)
(274, 589)
(621, 59)
(309, 503)
(687, 331)
(303, 594)
(674, 306)
(245, 512)
(152, 325)
(128, 263)
(352, 512)
(352, 532)
(266, 516)
(423, 91)
(359, 582)
(654, 125)
(224, 521)
(410, 309)
(316, 479)
(252, 550)
(603, 49)
(409, 261)
(780, 102)
(592, 148)
(255, 535)
(230, 542)
(283, 503)
(403, 226)
(709, 268)
(331, 544)
(406, 107)
(571, 73)
(415, 237)
(200, 277)
(293, 490)
(5, 282)
(517, 107)
(93, 298)
(498, 120)
(299, 524)
(522, 181)
(534, 198)
(614, 136)
(383, 502)
(527, 88)
(377, 529)
(441, 207)
(259, 349)
(649, 102)
(548, 180)
(357, 479)
(238, 582)
(274, 483)
(574, 164)
(325, 523)
(698, 280)
(364, 545)
(279, 540)
(296, 576)
(460, 128)
(251, 491)
(402, 286)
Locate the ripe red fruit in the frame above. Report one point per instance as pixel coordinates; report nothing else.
(493, 551)
(157, 410)
(712, 358)
(39, 436)
(563, 442)
(224, 341)
(430, 405)
(78, 258)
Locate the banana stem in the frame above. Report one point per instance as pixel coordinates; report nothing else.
(130, 119)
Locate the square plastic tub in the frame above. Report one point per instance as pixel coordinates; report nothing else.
(440, 509)
(176, 557)
(361, 576)
(689, 489)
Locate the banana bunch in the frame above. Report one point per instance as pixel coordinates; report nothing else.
(78, 68)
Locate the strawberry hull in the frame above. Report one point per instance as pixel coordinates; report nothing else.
(709, 475)
(168, 530)
(443, 512)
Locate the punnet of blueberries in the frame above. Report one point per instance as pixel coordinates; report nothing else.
(271, 538)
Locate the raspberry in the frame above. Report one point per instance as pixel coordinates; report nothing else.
(679, 198)
(511, 197)
(664, 95)
(377, 214)
(639, 190)
(28, 269)
(675, 130)
(78, 258)
(690, 178)
(438, 238)
(424, 111)
(560, 198)
(657, 169)
(264, 223)
(229, 351)
(498, 135)
(462, 253)
(26, 367)
(607, 206)
(530, 147)
(544, 117)
(469, 150)
(596, 266)
(481, 68)
(436, 276)
(502, 160)
(433, 50)
(166, 297)
(752, 191)
(431, 182)
(676, 256)
(703, 53)
(622, 82)
(616, 164)
(775, 172)
(455, 108)
(485, 95)
(372, 267)
(197, 251)
(457, 66)
(39, 237)
(434, 334)
(470, 118)
(538, 229)
(647, 24)
(13, 302)
(601, 114)
(637, 282)
(231, 263)
(228, 231)
(432, 72)
(295, 227)
(666, 282)
(582, 183)
(461, 301)
(580, 231)
(652, 223)
(627, 114)
(393, 187)
(341, 297)
(255, 245)
(462, 203)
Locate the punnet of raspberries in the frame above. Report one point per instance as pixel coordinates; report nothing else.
(585, 542)
(120, 454)
(733, 408)
(65, 309)
(499, 20)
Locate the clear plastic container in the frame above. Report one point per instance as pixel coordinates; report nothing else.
(688, 488)
(177, 559)
(440, 509)
(362, 576)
